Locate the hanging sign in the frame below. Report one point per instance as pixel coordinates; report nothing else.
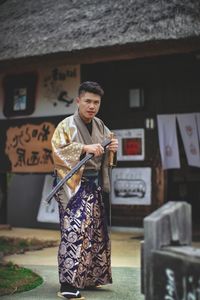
(48, 213)
(29, 148)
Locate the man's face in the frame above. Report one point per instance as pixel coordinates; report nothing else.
(88, 104)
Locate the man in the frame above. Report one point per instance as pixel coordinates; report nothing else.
(84, 252)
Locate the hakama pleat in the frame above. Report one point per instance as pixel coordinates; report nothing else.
(84, 255)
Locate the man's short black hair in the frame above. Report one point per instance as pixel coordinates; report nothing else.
(91, 87)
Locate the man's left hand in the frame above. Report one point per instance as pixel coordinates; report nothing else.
(114, 145)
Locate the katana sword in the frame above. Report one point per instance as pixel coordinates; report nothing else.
(73, 171)
(110, 166)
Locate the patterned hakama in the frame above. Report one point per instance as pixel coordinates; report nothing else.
(84, 252)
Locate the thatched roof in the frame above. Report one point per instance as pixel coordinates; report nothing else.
(39, 27)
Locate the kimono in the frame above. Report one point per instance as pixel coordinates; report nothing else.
(84, 251)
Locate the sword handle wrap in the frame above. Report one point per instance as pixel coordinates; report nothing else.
(111, 154)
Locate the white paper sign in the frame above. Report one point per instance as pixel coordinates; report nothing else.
(48, 213)
(131, 186)
(57, 90)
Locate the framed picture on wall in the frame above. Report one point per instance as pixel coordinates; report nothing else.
(19, 94)
(131, 144)
(131, 186)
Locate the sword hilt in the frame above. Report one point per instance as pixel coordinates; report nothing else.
(111, 154)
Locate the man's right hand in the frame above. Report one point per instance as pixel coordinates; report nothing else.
(96, 149)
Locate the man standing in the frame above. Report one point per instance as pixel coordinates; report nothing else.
(84, 252)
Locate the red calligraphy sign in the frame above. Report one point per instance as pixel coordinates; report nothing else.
(132, 146)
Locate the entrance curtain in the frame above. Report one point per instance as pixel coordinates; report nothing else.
(168, 141)
(188, 128)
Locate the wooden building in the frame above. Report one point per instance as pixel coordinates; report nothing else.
(145, 54)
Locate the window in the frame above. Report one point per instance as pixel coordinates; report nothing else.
(19, 94)
(136, 98)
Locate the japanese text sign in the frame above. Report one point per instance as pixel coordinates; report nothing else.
(29, 148)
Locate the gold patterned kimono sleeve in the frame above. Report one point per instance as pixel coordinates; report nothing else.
(66, 154)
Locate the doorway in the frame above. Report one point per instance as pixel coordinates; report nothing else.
(184, 185)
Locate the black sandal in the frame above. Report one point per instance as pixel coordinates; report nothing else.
(68, 291)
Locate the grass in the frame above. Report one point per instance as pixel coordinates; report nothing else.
(14, 278)
(10, 245)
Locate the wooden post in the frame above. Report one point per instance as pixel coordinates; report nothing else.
(3, 198)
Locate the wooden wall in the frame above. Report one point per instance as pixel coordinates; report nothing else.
(171, 85)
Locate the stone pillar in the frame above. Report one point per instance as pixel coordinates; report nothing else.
(169, 225)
